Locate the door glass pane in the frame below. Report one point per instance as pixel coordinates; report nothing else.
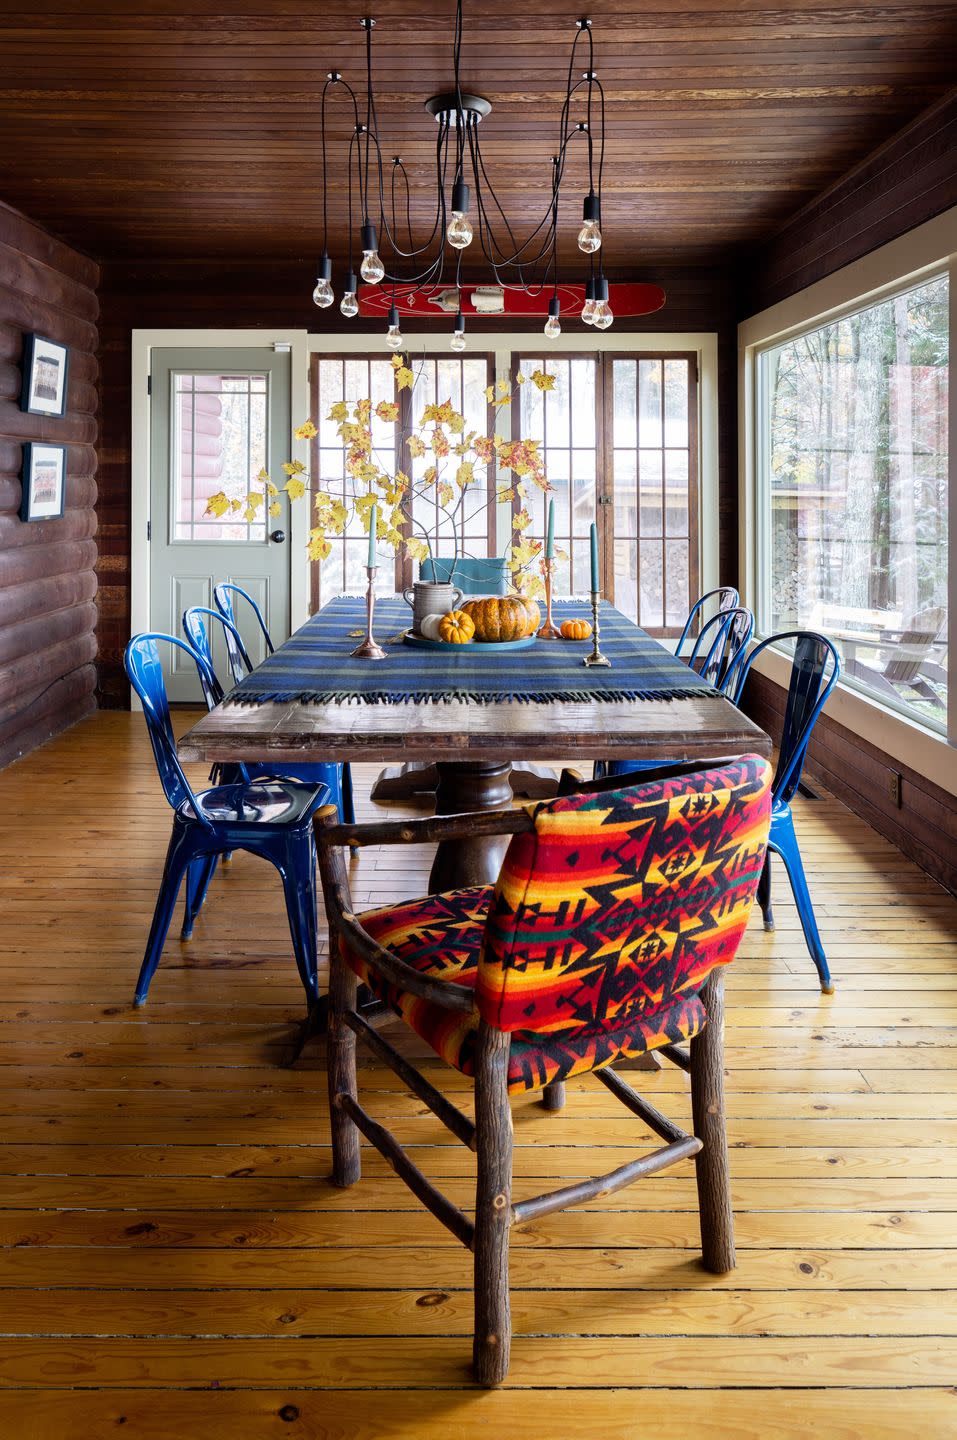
(855, 481)
(563, 421)
(654, 487)
(218, 442)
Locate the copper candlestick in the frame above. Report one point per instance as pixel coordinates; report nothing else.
(369, 650)
(596, 657)
(548, 630)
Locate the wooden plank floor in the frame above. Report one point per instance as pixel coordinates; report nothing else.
(175, 1263)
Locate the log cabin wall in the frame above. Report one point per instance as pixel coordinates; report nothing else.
(47, 567)
(906, 182)
(139, 295)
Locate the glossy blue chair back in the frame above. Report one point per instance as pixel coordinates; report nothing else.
(145, 670)
(719, 647)
(472, 576)
(726, 598)
(814, 672)
(194, 627)
(223, 600)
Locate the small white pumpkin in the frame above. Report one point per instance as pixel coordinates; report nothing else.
(429, 627)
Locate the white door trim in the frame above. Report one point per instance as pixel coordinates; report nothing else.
(143, 343)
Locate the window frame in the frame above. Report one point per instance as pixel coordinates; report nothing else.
(914, 259)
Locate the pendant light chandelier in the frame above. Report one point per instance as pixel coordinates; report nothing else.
(469, 219)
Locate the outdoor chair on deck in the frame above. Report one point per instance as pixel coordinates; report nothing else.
(814, 672)
(602, 939)
(909, 663)
(271, 818)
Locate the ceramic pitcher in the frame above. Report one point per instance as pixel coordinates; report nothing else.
(430, 597)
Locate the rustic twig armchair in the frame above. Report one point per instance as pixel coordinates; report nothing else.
(602, 940)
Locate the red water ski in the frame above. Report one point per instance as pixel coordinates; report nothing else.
(490, 302)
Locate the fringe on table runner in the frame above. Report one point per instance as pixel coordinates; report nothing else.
(469, 697)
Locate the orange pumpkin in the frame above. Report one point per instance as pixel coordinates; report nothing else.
(498, 618)
(534, 614)
(456, 628)
(575, 629)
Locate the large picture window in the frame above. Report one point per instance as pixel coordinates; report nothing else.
(853, 485)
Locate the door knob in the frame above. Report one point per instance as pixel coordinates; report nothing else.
(278, 536)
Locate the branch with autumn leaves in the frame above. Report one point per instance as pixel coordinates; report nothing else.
(449, 481)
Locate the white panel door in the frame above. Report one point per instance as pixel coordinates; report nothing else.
(219, 417)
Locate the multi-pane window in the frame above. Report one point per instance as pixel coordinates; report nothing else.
(618, 436)
(219, 441)
(854, 493)
(564, 421)
(461, 379)
(654, 487)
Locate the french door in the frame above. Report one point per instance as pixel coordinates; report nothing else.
(619, 436)
(219, 417)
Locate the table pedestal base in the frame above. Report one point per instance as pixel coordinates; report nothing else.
(463, 786)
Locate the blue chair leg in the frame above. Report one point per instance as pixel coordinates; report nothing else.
(347, 810)
(198, 876)
(784, 842)
(178, 858)
(764, 893)
(599, 770)
(298, 871)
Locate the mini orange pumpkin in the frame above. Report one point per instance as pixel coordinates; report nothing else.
(456, 628)
(575, 629)
(498, 618)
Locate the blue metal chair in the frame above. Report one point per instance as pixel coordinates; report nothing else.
(716, 655)
(727, 598)
(472, 576)
(814, 672)
(271, 818)
(337, 777)
(239, 661)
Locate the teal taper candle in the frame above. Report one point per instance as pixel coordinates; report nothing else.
(372, 527)
(594, 559)
(550, 534)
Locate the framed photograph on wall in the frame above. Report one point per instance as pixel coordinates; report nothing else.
(44, 376)
(43, 476)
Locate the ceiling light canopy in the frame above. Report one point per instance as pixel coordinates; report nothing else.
(469, 217)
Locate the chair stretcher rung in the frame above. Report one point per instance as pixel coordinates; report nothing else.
(598, 1185)
(636, 1103)
(452, 1118)
(387, 1145)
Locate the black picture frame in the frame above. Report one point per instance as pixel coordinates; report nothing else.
(45, 374)
(43, 481)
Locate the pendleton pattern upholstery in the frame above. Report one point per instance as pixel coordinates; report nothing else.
(601, 929)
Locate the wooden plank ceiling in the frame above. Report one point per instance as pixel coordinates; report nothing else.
(190, 128)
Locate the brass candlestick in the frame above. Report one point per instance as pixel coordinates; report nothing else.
(369, 650)
(596, 657)
(548, 630)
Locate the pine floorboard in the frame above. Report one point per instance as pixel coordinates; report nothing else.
(175, 1263)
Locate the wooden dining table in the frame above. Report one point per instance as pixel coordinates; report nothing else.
(474, 745)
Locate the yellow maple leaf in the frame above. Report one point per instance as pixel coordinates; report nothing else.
(307, 431)
(440, 442)
(270, 487)
(294, 488)
(319, 547)
(446, 493)
(504, 386)
(417, 548)
(236, 505)
(541, 381)
(293, 467)
(504, 495)
(217, 505)
(456, 423)
(465, 474)
(339, 411)
(404, 378)
(397, 362)
(275, 509)
(363, 411)
(521, 521)
(519, 378)
(416, 446)
(490, 393)
(430, 476)
(387, 410)
(254, 500)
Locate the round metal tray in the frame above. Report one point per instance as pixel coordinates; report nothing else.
(419, 642)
